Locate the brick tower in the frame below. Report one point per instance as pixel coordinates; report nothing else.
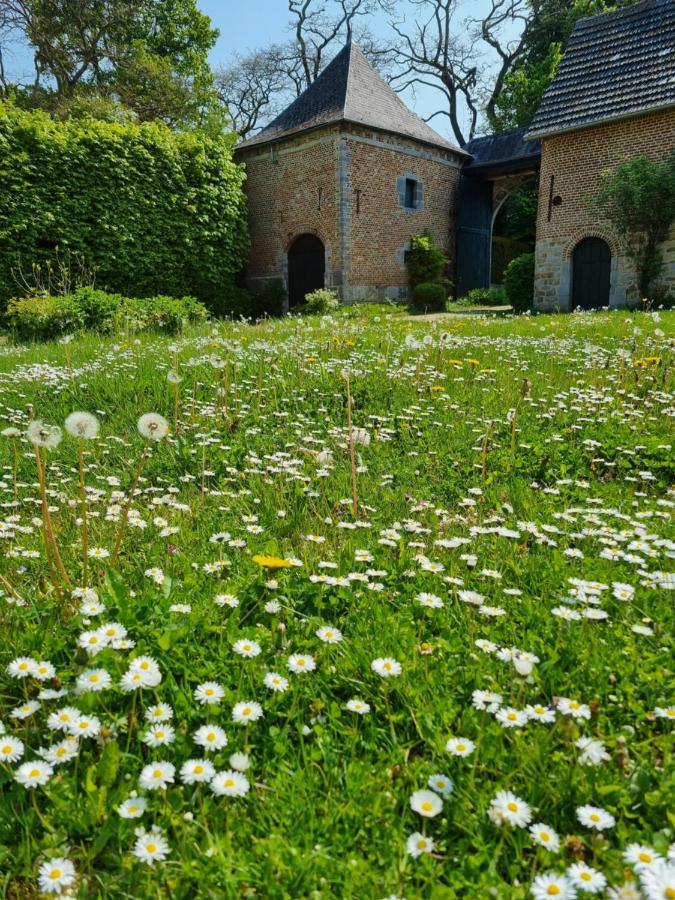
(341, 181)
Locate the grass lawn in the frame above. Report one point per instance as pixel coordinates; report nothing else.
(309, 703)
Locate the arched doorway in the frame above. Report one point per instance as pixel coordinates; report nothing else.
(591, 265)
(306, 268)
(514, 228)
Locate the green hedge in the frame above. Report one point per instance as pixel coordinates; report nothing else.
(519, 282)
(48, 317)
(150, 210)
(430, 296)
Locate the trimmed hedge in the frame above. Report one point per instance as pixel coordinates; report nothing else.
(151, 211)
(519, 282)
(430, 297)
(46, 317)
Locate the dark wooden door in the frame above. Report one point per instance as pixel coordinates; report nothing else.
(474, 234)
(590, 274)
(306, 268)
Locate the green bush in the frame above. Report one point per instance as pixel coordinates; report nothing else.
(149, 210)
(269, 301)
(425, 260)
(485, 297)
(519, 282)
(430, 297)
(46, 317)
(320, 302)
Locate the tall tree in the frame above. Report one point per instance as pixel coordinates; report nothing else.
(111, 48)
(525, 83)
(465, 59)
(257, 85)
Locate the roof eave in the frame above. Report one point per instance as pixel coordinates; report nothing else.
(448, 148)
(537, 134)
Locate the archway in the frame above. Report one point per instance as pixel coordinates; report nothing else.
(306, 268)
(591, 268)
(514, 227)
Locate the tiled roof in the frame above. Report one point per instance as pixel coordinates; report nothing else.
(616, 65)
(349, 90)
(503, 151)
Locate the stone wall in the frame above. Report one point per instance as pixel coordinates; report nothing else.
(575, 161)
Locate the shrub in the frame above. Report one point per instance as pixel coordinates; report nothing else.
(430, 297)
(320, 302)
(269, 300)
(425, 260)
(46, 317)
(148, 209)
(638, 198)
(485, 297)
(519, 282)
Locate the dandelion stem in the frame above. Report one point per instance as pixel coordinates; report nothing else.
(85, 527)
(49, 535)
(127, 507)
(352, 451)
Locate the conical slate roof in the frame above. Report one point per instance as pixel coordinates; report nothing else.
(349, 90)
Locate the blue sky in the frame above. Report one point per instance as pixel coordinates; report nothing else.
(257, 23)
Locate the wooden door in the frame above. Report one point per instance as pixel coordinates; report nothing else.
(591, 264)
(306, 268)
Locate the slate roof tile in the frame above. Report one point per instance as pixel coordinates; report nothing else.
(616, 65)
(349, 90)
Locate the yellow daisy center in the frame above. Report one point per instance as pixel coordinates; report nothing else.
(55, 873)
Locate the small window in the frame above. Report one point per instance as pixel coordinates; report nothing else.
(410, 193)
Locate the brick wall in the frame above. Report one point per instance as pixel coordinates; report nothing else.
(342, 184)
(576, 160)
(378, 225)
(292, 189)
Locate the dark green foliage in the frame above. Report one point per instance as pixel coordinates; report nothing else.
(48, 317)
(150, 211)
(519, 282)
(638, 198)
(430, 296)
(425, 260)
(485, 297)
(269, 300)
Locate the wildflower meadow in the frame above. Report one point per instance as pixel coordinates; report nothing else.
(343, 606)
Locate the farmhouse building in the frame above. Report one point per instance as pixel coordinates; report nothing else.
(613, 99)
(340, 182)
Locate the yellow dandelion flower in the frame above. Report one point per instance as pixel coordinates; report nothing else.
(272, 562)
